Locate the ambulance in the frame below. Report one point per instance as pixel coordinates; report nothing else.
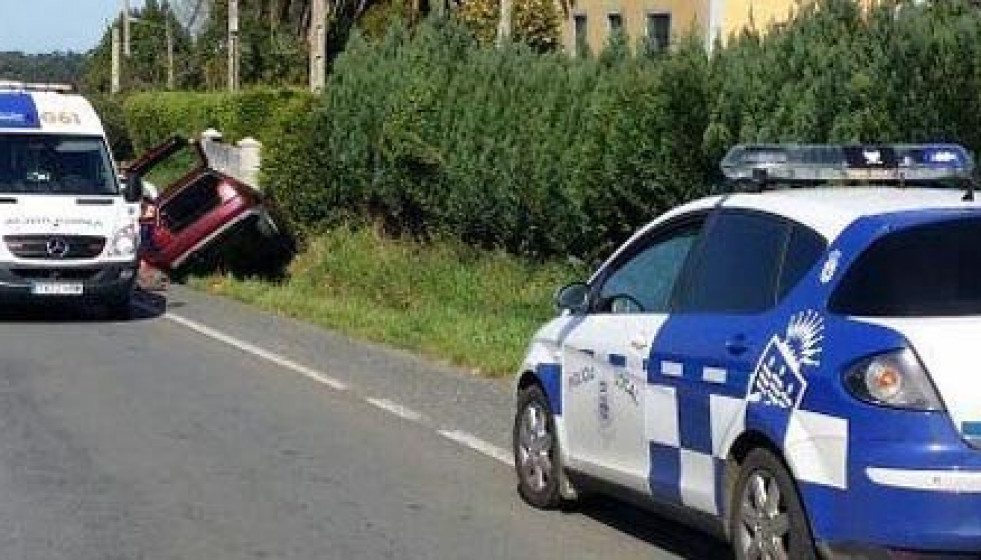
(68, 226)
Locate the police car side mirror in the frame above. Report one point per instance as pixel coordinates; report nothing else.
(573, 297)
(133, 189)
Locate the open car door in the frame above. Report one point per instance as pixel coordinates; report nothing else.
(198, 205)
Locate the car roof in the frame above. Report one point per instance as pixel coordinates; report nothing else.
(829, 210)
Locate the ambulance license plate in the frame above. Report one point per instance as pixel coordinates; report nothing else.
(57, 289)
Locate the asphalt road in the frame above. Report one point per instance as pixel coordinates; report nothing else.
(215, 432)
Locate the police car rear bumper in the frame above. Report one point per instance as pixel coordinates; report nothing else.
(102, 281)
(915, 496)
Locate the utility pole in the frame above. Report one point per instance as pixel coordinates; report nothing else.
(170, 54)
(116, 62)
(504, 23)
(318, 45)
(127, 37)
(233, 46)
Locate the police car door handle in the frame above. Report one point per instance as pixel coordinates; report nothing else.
(640, 342)
(737, 345)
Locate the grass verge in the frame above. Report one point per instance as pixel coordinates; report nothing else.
(471, 308)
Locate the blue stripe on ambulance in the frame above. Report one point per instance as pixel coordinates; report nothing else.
(17, 110)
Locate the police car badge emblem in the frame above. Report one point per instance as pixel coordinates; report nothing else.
(779, 376)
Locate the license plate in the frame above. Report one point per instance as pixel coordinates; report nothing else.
(57, 289)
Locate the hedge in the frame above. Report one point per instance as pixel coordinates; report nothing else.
(434, 134)
(261, 113)
(110, 110)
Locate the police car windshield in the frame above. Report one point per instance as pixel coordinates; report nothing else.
(55, 164)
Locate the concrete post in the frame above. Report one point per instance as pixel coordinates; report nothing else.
(250, 160)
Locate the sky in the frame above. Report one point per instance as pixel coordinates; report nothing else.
(39, 26)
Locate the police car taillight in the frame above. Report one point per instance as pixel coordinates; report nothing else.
(894, 379)
(829, 163)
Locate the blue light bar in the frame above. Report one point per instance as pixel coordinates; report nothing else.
(829, 163)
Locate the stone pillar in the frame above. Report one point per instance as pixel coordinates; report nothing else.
(250, 160)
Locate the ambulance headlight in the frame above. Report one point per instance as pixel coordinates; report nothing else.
(125, 242)
(895, 379)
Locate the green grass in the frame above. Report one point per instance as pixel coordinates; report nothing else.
(471, 308)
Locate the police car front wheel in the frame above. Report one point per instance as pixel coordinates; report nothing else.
(766, 517)
(536, 457)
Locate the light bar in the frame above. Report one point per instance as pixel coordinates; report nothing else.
(829, 163)
(6, 85)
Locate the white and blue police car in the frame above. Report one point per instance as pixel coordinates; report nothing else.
(68, 229)
(792, 367)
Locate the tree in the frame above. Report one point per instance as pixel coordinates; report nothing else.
(51, 68)
(146, 69)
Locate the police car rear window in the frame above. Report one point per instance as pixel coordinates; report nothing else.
(932, 270)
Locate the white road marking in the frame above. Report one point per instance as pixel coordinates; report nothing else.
(248, 348)
(457, 436)
(473, 442)
(396, 409)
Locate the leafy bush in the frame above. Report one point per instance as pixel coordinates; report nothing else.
(154, 117)
(436, 135)
(110, 110)
(902, 72)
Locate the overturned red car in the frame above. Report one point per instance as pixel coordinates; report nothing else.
(197, 209)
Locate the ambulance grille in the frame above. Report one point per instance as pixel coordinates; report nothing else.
(55, 247)
(77, 274)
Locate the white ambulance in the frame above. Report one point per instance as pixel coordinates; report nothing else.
(68, 227)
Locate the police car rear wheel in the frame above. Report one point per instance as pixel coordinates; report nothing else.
(767, 519)
(536, 451)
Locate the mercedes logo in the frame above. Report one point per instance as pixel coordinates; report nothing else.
(57, 248)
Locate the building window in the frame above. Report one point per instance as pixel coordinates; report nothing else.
(658, 32)
(616, 23)
(581, 37)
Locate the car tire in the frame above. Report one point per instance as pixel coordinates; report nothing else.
(537, 460)
(766, 515)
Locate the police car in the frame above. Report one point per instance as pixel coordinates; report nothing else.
(68, 229)
(798, 369)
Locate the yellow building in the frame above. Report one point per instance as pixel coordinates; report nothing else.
(656, 23)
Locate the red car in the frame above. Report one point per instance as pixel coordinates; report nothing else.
(198, 209)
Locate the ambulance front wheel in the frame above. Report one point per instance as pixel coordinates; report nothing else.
(766, 515)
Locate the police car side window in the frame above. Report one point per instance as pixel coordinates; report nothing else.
(644, 283)
(804, 248)
(738, 266)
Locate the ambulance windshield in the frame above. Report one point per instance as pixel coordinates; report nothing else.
(55, 164)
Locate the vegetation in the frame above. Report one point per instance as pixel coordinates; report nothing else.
(260, 113)
(62, 68)
(274, 38)
(433, 134)
(445, 300)
(430, 134)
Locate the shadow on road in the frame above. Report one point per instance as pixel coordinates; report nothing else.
(661, 532)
